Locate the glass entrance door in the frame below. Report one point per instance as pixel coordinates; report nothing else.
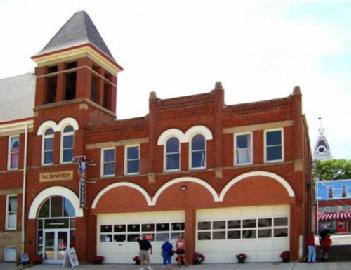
(55, 245)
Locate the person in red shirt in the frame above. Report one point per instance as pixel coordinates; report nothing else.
(325, 247)
(311, 248)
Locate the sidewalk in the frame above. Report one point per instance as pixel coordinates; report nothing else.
(246, 266)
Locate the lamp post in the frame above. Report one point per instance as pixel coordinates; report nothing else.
(317, 209)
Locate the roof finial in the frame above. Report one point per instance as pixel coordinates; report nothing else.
(152, 95)
(297, 90)
(321, 129)
(219, 86)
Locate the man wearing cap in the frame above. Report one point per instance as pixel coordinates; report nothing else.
(144, 255)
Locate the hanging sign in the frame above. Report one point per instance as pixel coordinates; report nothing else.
(82, 167)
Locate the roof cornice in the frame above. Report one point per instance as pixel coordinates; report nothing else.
(16, 126)
(82, 50)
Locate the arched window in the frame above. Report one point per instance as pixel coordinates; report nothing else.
(172, 157)
(198, 152)
(67, 141)
(48, 147)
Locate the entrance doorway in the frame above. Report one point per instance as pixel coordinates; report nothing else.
(55, 245)
(56, 229)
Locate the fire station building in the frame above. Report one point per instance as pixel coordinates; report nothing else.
(231, 178)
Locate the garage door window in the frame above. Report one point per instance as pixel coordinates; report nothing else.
(243, 229)
(130, 232)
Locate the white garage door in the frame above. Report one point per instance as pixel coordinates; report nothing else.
(260, 232)
(116, 233)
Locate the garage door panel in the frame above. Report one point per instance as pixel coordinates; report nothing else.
(126, 227)
(262, 233)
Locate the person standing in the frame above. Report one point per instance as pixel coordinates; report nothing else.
(180, 250)
(167, 249)
(311, 248)
(144, 255)
(325, 246)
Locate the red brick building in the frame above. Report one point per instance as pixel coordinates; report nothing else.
(231, 178)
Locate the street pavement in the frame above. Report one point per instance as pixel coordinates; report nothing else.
(234, 266)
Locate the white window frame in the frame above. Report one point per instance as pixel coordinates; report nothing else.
(265, 145)
(242, 228)
(165, 155)
(7, 213)
(71, 133)
(5, 253)
(103, 162)
(191, 153)
(235, 148)
(126, 159)
(10, 153)
(43, 145)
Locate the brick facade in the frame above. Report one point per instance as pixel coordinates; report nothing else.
(99, 128)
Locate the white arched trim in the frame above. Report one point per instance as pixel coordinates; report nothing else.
(169, 133)
(244, 176)
(55, 191)
(69, 121)
(121, 184)
(46, 125)
(185, 179)
(191, 132)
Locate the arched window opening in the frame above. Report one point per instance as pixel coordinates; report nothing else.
(67, 142)
(48, 147)
(198, 152)
(172, 154)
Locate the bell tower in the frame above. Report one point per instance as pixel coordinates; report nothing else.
(76, 74)
(321, 150)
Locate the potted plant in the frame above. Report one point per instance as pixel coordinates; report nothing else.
(98, 259)
(241, 257)
(285, 255)
(37, 259)
(198, 258)
(136, 259)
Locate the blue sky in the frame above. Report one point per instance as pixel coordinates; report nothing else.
(258, 49)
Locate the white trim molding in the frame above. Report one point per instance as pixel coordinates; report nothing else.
(244, 176)
(181, 180)
(68, 121)
(46, 125)
(169, 133)
(191, 132)
(184, 137)
(121, 184)
(55, 191)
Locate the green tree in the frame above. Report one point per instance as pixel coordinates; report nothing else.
(332, 169)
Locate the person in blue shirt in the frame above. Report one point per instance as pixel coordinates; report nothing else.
(167, 250)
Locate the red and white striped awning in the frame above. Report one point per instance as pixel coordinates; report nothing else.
(339, 216)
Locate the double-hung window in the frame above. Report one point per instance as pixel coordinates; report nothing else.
(198, 152)
(67, 141)
(13, 152)
(343, 191)
(330, 193)
(243, 149)
(132, 159)
(108, 162)
(274, 145)
(48, 147)
(11, 212)
(172, 154)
